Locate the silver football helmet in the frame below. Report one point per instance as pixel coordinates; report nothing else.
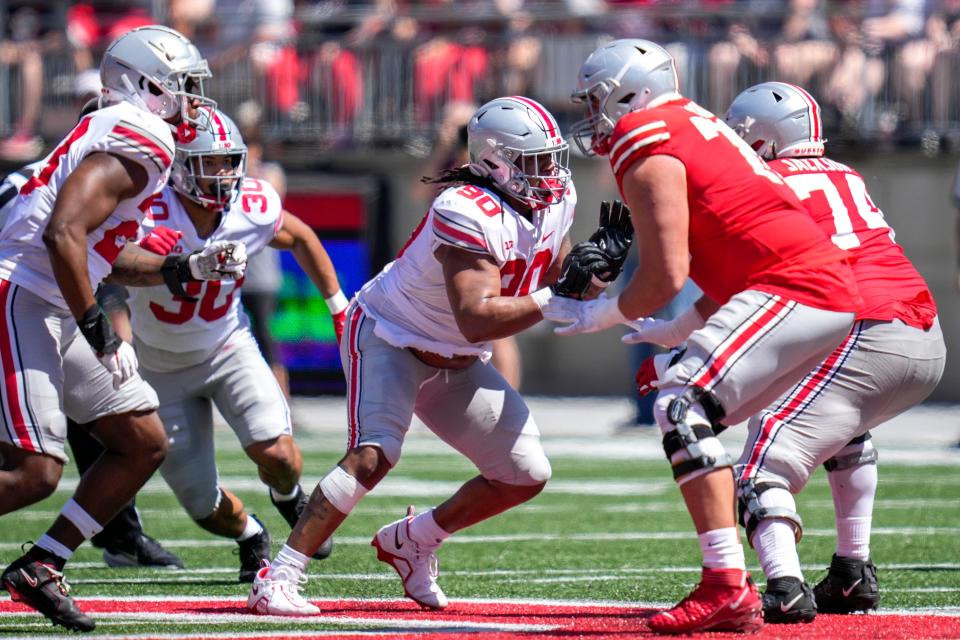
(778, 120)
(620, 77)
(158, 70)
(210, 168)
(517, 143)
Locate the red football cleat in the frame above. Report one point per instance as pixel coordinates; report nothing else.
(725, 600)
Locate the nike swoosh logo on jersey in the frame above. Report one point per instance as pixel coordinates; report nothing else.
(544, 238)
(33, 582)
(847, 592)
(789, 605)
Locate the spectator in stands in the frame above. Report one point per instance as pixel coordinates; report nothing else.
(29, 33)
(804, 50)
(866, 32)
(933, 54)
(742, 53)
(94, 24)
(258, 37)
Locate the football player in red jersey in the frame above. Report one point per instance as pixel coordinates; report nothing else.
(778, 296)
(892, 360)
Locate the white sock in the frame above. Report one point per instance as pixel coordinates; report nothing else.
(776, 546)
(252, 528)
(853, 492)
(425, 531)
(291, 558)
(284, 497)
(853, 537)
(721, 549)
(55, 547)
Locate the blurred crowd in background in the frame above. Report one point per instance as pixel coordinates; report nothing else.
(335, 74)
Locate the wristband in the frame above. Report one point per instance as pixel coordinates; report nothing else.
(542, 297)
(597, 282)
(175, 271)
(98, 331)
(337, 303)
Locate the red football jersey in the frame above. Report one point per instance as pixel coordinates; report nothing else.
(747, 228)
(837, 199)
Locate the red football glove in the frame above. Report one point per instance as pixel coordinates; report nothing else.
(339, 321)
(647, 378)
(161, 240)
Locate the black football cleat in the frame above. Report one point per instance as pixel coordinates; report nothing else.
(850, 585)
(142, 551)
(43, 588)
(291, 510)
(252, 551)
(788, 600)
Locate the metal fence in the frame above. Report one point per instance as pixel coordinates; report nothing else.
(336, 93)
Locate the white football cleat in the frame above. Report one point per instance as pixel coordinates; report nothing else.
(416, 564)
(276, 592)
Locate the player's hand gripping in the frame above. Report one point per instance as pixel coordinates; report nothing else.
(114, 354)
(613, 237)
(222, 260)
(584, 261)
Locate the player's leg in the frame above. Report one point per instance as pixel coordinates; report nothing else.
(33, 439)
(907, 363)
(257, 411)
(477, 412)
(123, 540)
(190, 468)
(382, 385)
(753, 349)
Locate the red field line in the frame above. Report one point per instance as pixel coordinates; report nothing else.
(566, 621)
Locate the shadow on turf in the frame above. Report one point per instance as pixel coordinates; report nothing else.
(199, 583)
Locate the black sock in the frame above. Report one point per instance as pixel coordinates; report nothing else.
(44, 556)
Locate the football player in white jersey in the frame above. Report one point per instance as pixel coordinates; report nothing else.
(418, 341)
(68, 226)
(197, 349)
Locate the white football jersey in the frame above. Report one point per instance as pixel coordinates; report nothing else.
(408, 299)
(121, 130)
(10, 188)
(191, 331)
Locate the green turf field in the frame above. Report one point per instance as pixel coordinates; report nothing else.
(606, 530)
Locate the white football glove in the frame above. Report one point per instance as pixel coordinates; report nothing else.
(666, 333)
(222, 260)
(583, 316)
(122, 364)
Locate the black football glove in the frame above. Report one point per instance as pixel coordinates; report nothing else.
(583, 262)
(614, 237)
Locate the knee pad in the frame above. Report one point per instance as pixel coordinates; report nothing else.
(759, 501)
(533, 470)
(690, 443)
(858, 451)
(198, 498)
(342, 490)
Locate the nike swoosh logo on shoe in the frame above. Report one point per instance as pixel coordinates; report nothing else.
(789, 605)
(33, 582)
(847, 592)
(396, 538)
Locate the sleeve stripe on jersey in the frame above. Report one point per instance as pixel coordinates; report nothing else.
(146, 134)
(141, 142)
(456, 234)
(633, 133)
(628, 154)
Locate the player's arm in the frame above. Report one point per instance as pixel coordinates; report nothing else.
(655, 189)
(297, 237)
(137, 267)
(88, 197)
(294, 235)
(473, 287)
